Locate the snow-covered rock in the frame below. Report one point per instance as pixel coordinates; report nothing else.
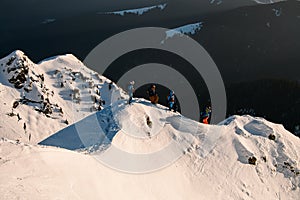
(38, 100)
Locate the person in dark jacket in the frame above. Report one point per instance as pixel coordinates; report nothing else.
(172, 101)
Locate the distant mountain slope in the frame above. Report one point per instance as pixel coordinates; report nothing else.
(39, 99)
(255, 42)
(32, 13)
(83, 23)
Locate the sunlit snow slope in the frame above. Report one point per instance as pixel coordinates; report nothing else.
(241, 158)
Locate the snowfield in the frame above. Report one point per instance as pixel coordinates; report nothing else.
(138, 151)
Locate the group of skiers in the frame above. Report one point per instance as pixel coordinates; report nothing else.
(171, 101)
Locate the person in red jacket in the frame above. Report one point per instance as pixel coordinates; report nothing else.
(205, 118)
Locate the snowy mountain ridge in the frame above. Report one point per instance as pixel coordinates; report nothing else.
(243, 157)
(57, 91)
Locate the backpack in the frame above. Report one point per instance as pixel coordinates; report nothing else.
(171, 98)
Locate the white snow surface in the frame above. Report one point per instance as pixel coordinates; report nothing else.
(138, 11)
(214, 160)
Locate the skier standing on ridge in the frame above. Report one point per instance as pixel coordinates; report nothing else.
(153, 96)
(130, 91)
(171, 101)
(205, 118)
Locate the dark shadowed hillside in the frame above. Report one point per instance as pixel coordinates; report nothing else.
(275, 100)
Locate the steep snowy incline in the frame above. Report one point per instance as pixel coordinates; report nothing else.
(37, 100)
